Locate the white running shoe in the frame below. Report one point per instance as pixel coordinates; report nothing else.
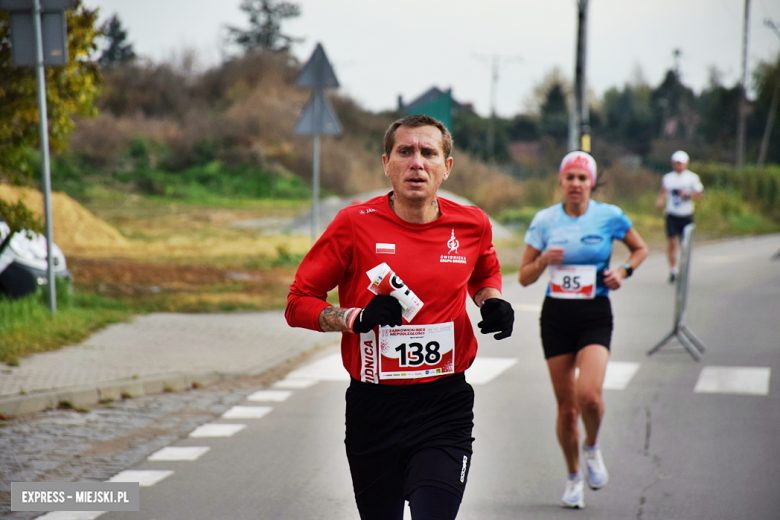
(595, 470)
(573, 494)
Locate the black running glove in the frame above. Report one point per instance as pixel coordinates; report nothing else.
(497, 316)
(381, 310)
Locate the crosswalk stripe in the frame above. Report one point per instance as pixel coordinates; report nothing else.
(295, 383)
(172, 453)
(733, 380)
(71, 515)
(247, 412)
(270, 395)
(145, 478)
(721, 259)
(619, 374)
(217, 430)
(484, 369)
(527, 307)
(328, 368)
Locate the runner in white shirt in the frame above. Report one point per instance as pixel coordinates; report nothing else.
(679, 189)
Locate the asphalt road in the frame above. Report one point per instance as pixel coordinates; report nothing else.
(681, 439)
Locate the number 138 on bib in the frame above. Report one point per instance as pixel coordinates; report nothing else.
(411, 352)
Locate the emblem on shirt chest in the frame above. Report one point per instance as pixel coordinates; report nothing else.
(452, 256)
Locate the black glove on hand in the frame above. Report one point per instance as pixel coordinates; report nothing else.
(381, 310)
(497, 316)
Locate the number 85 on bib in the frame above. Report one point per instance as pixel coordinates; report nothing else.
(573, 282)
(414, 351)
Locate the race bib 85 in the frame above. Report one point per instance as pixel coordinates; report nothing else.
(573, 282)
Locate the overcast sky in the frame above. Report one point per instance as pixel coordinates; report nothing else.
(381, 50)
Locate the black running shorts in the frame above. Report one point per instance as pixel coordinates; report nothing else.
(569, 325)
(675, 225)
(401, 437)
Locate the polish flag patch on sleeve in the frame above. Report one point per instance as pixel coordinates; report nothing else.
(385, 249)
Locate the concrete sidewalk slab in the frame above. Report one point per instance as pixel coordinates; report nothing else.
(154, 353)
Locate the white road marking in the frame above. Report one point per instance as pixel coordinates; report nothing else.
(179, 453)
(71, 515)
(720, 259)
(295, 383)
(217, 430)
(619, 374)
(329, 368)
(526, 307)
(145, 478)
(485, 369)
(270, 395)
(246, 412)
(733, 380)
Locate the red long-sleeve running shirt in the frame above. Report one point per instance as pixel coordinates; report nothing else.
(441, 262)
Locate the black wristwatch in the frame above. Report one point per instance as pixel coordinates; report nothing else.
(629, 269)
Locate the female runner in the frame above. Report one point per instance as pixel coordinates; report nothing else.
(574, 238)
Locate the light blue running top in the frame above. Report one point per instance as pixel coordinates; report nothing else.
(587, 240)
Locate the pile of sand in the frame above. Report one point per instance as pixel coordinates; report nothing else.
(75, 228)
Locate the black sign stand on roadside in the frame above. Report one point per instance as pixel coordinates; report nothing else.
(680, 330)
(316, 119)
(39, 38)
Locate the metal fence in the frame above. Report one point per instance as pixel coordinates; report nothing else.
(680, 330)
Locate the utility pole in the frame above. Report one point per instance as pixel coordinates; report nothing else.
(491, 133)
(770, 120)
(579, 121)
(742, 93)
(495, 61)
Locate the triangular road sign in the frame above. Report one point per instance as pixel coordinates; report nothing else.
(318, 117)
(317, 72)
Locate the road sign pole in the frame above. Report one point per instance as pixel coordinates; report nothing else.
(317, 119)
(45, 166)
(315, 190)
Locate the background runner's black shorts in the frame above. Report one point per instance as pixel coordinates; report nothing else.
(569, 325)
(401, 437)
(675, 225)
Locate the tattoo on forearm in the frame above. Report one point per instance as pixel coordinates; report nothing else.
(484, 294)
(332, 319)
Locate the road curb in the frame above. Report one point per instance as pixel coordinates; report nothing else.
(92, 394)
(84, 396)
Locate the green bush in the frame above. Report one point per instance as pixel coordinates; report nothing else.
(522, 215)
(144, 170)
(726, 212)
(759, 186)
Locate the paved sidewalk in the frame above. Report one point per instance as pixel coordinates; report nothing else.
(151, 354)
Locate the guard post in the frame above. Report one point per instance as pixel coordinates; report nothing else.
(39, 38)
(680, 330)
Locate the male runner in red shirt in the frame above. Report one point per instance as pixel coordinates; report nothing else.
(409, 414)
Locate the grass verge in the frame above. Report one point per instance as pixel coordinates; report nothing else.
(27, 326)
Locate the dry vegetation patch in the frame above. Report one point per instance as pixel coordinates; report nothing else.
(75, 227)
